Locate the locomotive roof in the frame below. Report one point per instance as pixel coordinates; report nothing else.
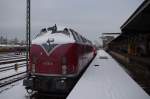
(65, 31)
(59, 29)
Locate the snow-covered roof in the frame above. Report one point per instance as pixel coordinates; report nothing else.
(59, 38)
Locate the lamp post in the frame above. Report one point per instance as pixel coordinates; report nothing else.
(28, 28)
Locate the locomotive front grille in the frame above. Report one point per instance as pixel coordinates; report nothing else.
(50, 84)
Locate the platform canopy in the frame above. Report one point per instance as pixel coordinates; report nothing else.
(139, 21)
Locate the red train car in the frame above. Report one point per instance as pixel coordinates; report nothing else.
(57, 57)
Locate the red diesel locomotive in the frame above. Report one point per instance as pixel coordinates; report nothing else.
(57, 57)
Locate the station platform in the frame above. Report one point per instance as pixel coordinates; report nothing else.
(106, 79)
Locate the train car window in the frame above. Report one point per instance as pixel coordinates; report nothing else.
(74, 35)
(85, 40)
(78, 40)
(79, 37)
(82, 39)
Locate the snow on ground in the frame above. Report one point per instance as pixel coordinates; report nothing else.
(8, 55)
(12, 72)
(10, 58)
(16, 59)
(17, 91)
(11, 64)
(15, 55)
(106, 81)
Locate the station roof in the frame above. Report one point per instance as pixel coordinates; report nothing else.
(139, 21)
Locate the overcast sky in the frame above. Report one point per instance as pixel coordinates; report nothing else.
(88, 17)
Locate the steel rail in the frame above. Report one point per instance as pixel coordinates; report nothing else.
(10, 81)
(11, 67)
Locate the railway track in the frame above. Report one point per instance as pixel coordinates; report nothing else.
(11, 79)
(12, 61)
(8, 73)
(10, 58)
(10, 55)
(11, 67)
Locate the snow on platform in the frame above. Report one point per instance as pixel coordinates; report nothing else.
(106, 79)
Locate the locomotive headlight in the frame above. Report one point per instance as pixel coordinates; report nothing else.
(64, 65)
(33, 68)
(64, 69)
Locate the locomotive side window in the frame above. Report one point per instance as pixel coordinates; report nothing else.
(83, 39)
(74, 35)
(79, 37)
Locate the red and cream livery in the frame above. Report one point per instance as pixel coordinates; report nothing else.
(57, 57)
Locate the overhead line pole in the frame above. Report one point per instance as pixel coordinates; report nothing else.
(28, 30)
